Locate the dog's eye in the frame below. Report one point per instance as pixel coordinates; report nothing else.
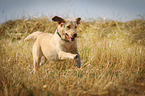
(68, 27)
(75, 27)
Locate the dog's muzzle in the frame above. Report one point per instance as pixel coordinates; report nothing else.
(71, 38)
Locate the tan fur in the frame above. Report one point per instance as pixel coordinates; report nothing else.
(53, 47)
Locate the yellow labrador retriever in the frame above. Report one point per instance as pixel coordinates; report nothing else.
(59, 46)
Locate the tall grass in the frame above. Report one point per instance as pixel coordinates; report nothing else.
(112, 54)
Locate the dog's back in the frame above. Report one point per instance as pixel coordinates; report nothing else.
(33, 36)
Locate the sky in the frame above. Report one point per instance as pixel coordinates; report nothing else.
(120, 10)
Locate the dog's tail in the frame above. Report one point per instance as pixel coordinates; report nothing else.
(33, 36)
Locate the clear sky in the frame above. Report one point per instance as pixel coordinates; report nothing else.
(121, 10)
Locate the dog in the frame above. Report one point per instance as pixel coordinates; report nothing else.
(59, 46)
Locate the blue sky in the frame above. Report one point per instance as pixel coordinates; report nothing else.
(121, 10)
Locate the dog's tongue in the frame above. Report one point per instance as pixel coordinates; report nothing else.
(70, 39)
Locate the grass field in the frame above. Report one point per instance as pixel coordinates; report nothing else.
(112, 54)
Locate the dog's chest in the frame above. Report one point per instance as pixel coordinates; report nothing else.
(69, 47)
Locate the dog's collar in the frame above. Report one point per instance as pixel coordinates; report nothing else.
(61, 37)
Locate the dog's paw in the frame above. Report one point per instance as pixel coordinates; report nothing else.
(74, 56)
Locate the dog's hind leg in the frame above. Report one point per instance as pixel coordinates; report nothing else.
(37, 54)
(43, 60)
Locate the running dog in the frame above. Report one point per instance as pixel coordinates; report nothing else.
(59, 46)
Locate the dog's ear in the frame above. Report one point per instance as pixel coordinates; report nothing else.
(57, 19)
(78, 20)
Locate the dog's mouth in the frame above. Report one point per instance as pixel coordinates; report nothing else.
(71, 39)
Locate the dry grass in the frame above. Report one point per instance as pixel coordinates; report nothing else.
(112, 53)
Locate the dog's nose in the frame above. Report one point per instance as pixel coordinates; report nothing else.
(75, 35)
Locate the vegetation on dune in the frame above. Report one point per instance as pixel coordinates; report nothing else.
(112, 54)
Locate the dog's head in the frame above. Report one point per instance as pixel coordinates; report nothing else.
(67, 28)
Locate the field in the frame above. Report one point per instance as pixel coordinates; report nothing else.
(112, 55)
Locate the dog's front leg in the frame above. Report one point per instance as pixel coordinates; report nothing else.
(65, 55)
(77, 60)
